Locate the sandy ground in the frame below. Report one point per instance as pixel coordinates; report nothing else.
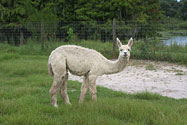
(139, 76)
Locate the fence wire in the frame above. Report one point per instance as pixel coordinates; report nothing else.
(82, 30)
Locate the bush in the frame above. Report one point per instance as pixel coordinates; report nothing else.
(183, 25)
(71, 36)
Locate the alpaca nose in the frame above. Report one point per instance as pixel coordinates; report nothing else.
(125, 53)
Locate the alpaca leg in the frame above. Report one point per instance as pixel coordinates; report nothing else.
(54, 89)
(63, 90)
(59, 70)
(92, 87)
(84, 89)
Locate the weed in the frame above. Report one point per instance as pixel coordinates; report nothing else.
(150, 67)
(180, 73)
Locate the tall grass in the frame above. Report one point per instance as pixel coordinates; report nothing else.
(147, 49)
(25, 100)
(34, 48)
(156, 50)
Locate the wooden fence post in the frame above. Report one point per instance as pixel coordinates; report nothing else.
(42, 34)
(21, 37)
(114, 35)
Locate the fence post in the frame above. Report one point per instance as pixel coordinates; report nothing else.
(21, 37)
(42, 34)
(114, 35)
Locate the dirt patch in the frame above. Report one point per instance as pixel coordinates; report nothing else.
(164, 78)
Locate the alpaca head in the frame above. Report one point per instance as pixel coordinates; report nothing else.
(124, 50)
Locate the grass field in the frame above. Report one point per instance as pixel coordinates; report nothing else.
(25, 100)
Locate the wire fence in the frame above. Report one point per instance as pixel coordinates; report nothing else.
(83, 30)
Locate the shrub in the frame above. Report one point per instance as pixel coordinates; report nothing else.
(71, 36)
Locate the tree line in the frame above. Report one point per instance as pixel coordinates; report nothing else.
(174, 9)
(20, 19)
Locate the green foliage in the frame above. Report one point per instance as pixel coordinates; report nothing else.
(174, 9)
(148, 96)
(183, 25)
(27, 14)
(17, 16)
(170, 7)
(147, 49)
(71, 36)
(183, 9)
(150, 67)
(155, 50)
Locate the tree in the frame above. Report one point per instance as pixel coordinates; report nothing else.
(59, 15)
(170, 8)
(184, 9)
(43, 16)
(12, 13)
(17, 16)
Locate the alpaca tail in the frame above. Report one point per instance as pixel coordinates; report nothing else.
(50, 70)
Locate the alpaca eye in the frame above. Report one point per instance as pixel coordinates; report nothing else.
(128, 49)
(120, 50)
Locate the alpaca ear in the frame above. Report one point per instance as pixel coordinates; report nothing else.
(130, 42)
(119, 43)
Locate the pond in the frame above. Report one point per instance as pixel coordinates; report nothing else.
(180, 40)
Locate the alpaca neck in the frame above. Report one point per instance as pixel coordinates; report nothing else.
(116, 66)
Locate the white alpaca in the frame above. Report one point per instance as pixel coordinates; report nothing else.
(82, 62)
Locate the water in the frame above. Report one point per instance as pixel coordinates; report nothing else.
(180, 40)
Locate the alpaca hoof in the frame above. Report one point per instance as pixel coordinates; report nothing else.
(68, 103)
(55, 105)
(80, 101)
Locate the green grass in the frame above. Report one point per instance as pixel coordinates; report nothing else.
(180, 73)
(147, 49)
(34, 48)
(25, 100)
(155, 50)
(150, 67)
